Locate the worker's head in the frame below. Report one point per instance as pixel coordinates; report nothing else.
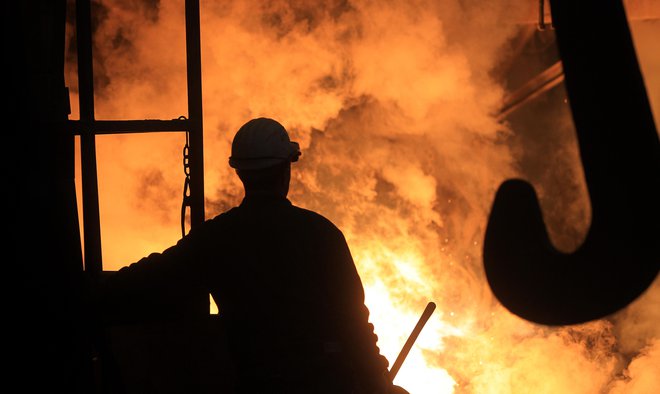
(262, 154)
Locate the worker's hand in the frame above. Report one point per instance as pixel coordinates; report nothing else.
(397, 390)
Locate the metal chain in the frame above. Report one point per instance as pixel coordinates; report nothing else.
(186, 184)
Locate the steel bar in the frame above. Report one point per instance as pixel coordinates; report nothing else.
(194, 70)
(544, 81)
(78, 127)
(90, 193)
(396, 366)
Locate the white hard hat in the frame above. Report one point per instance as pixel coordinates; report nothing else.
(262, 143)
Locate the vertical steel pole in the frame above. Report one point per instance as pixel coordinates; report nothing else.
(90, 192)
(200, 302)
(194, 60)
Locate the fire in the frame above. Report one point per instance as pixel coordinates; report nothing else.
(393, 104)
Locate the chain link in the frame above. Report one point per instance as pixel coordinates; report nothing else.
(186, 184)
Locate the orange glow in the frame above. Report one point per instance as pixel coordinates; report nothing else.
(393, 105)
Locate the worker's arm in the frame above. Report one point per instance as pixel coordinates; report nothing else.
(360, 338)
(161, 286)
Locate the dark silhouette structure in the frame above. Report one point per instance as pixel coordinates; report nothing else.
(57, 344)
(620, 153)
(50, 343)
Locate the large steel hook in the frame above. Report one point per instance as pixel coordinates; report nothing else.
(620, 152)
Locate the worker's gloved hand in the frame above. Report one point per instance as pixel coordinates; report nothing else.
(384, 386)
(392, 389)
(397, 390)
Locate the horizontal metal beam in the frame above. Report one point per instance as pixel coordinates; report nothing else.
(80, 127)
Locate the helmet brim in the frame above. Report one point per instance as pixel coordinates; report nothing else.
(257, 163)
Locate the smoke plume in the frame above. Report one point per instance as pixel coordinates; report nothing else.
(394, 104)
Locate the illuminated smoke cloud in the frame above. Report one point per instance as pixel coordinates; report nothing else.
(394, 105)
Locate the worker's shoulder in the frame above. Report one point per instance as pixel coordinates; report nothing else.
(314, 217)
(225, 217)
(293, 214)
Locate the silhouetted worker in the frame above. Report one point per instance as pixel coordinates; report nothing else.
(283, 278)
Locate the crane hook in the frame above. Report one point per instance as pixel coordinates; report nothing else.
(620, 154)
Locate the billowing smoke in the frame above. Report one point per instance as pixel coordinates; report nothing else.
(394, 105)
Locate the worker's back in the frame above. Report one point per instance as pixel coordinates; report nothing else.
(291, 299)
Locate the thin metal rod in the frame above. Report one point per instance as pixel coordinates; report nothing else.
(428, 311)
(541, 83)
(196, 152)
(541, 25)
(90, 192)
